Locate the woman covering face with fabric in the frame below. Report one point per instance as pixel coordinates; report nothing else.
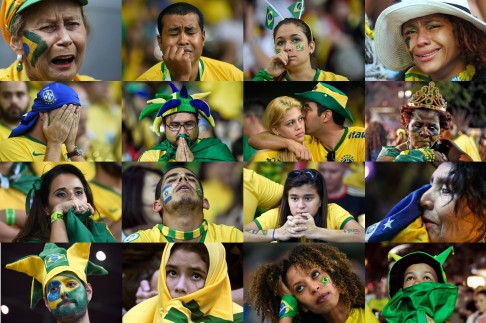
(48, 38)
(423, 118)
(209, 302)
(438, 40)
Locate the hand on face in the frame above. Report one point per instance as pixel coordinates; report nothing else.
(78, 206)
(183, 153)
(277, 64)
(73, 133)
(178, 61)
(58, 130)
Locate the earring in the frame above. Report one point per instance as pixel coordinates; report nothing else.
(408, 143)
(20, 67)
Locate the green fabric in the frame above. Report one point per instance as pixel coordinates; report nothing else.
(288, 307)
(412, 155)
(262, 75)
(91, 232)
(248, 151)
(21, 179)
(174, 315)
(412, 304)
(204, 150)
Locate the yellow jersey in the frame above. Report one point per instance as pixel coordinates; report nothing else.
(467, 144)
(215, 233)
(11, 74)
(210, 70)
(107, 201)
(361, 315)
(351, 147)
(25, 149)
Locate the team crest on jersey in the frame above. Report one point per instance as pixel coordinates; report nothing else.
(133, 236)
(347, 159)
(49, 96)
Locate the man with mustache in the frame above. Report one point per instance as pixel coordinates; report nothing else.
(60, 279)
(179, 199)
(14, 101)
(181, 40)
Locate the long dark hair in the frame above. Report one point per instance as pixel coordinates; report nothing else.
(133, 181)
(301, 179)
(38, 224)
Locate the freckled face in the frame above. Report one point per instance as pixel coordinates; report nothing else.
(304, 199)
(292, 126)
(418, 273)
(315, 289)
(424, 128)
(186, 273)
(432, 45)
(59, 24)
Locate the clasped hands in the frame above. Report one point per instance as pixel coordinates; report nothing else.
(298, 226)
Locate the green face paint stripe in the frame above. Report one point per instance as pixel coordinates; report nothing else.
(278, 50)
(325, 280)
(299, 47)
(34, 46)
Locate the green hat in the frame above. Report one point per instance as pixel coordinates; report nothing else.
(397, 271)
(329, 97)
(52, 261)
(177, 102)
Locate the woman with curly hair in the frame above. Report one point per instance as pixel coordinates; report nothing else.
(375, 139)
(438, 40)
(315, 284)
(423, 118)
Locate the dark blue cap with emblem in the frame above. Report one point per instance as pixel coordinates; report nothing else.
(52, 96)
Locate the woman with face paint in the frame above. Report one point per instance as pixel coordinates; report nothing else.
(423, 118)
(305, 214)
(438, 40)
(282, 117)
(295, 55)
(61, 208)
(48, 38)
(314, 284)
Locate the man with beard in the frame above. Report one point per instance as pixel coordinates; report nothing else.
(60, 279)
(14, 101)
(179, 199)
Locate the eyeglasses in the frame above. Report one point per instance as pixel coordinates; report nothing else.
(331, 156)
(177, 126)
(309, 173)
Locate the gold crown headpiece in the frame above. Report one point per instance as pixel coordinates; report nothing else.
(428, 97)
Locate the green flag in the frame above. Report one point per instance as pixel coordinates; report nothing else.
(270, 18)
(297, 9)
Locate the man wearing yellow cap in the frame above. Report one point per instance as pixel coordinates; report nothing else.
(179, 112)
(326, 138)
(60, 279)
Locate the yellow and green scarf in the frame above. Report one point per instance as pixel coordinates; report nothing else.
(213, 303)
(415, 74)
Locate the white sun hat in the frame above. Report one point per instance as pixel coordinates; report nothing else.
(389, 42)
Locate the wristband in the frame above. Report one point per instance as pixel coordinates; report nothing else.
(10, 216)
(57, 216)
(288, 307)
(273, 235)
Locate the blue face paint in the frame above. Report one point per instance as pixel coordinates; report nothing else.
(53, 291)
(167, 193)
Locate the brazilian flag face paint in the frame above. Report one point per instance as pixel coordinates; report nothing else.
(34, 46)
(325, 280)
(66, 296)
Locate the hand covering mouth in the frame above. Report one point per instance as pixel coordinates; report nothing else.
(63, 60)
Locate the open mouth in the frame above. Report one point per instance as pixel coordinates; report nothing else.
(63, 60)
(184, 187)
(424, 57)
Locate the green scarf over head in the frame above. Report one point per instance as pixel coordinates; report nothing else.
(413, 304)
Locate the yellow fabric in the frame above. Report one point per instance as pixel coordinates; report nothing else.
(11, 74)
(361, 315)
(24, 149)
(356, 178)
(340, 98)
(4, 131)
(352, 149)
(88, 169)
(268, 155)
(414, 232)
(213, 71)
(328, 76)
(12, 199)
(152, 156)
(467, 144)
(214, 299)
(216, 233)
(378, 304)
(336, 217)
(258, 192)
(415, 74)
(9, 9)
(221, 197)
(104, 122)
(107, 201)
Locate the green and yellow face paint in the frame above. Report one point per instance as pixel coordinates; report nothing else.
(325, 280)
(34, 46)
(66, 296)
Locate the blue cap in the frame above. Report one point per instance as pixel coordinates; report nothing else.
(52, 96)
